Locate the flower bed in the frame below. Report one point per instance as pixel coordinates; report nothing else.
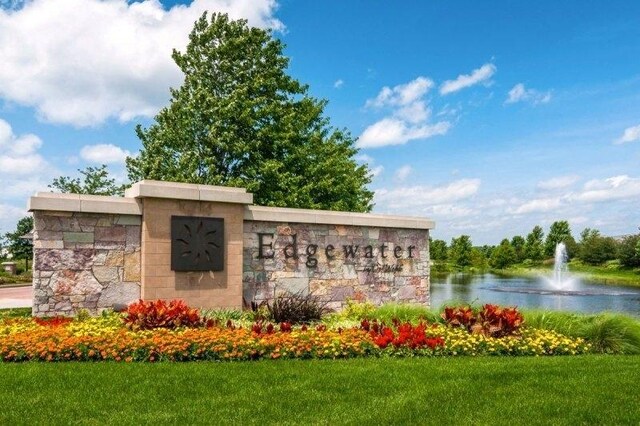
(129, 338)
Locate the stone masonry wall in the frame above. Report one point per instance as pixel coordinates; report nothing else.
(84, 261)
(377, 274)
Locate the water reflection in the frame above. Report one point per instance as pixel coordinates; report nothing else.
(529, 292)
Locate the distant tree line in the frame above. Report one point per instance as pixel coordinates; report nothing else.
(592, 248)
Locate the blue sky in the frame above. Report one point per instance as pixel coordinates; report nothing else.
(489, 118)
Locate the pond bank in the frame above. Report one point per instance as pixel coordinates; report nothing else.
(596, 274)
(606, 275)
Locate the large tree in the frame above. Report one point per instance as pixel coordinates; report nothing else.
(630, 251)
(503, 255)
(438, 250)
(596, 249)
(560, 232)
(460, 251)
(19, 247)
(534, 244)
(94, 181)
(518, 243)
(240, 120)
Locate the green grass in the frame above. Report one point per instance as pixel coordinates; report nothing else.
(561, 390)
(607, 274)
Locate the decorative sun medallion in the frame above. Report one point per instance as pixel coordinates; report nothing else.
(197, 243)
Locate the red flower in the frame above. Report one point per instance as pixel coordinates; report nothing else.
(285, 327)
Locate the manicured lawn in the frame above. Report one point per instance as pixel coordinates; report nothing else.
(561, 390)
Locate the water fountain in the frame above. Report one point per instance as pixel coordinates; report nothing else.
(556, 289)
(561, 282)
(561, 279)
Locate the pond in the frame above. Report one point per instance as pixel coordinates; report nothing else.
(533, 293)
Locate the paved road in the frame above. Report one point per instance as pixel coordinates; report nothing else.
(16, 297)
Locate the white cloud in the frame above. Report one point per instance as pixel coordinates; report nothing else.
(377, 171)
(18, 154)
(364, 158)
(613, 188)
(521, 94)
(422, 196)
(408, 117)
(370, 161)
(23, 171)
(478, 75)
(449, 211)
(104, 154)
(537, 205)
(631, 134)
(415, 112)
(338, 83)
(392, 131)
(558, 182)
(621, 187)
(403, 173)
(81, 62)
(9, 216)
(402, 94)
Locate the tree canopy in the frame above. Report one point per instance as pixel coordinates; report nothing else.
(503, 255)
(460, 250)
(534, 245)
(630, 251)
(560, 232)
(95, 181)
(240, 120)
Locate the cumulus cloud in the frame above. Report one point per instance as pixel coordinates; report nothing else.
(622, 187)
(423, 196)
(104, 154)
(81, 62)
(537, 205)
(18, 154)
(449, 211)
(22, 172)
(479, 75)
(375, 170)
(338, 83)
(558, 182)
(613, 188)
(402, 94)
(392, 131)
(9, 216)
(408, 117)
(403, 173)
(631, 134)
(519, 93)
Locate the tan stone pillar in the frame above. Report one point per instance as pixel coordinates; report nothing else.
(161, 201)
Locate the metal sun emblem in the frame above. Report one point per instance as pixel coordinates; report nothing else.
(197, 243)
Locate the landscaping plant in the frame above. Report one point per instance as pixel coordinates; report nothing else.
(296, 308)
(160, 314)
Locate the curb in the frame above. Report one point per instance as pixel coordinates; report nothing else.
(15, 285)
